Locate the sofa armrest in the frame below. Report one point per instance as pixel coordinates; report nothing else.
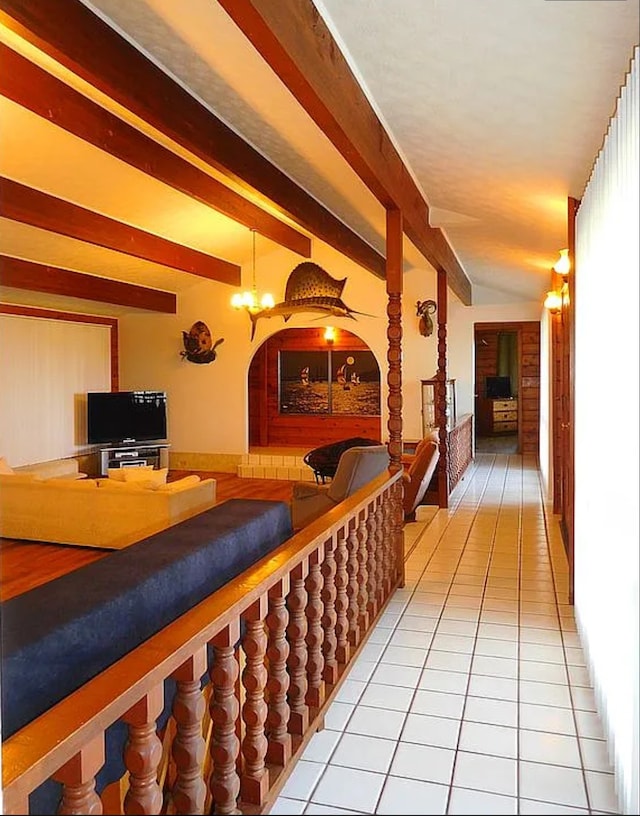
(303, 490)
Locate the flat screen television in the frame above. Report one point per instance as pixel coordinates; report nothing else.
(498, 387)
(121, 417)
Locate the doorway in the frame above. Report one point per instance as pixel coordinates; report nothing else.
(507, 387)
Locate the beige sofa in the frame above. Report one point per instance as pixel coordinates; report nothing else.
(96, 513)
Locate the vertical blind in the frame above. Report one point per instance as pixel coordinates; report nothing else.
(46, 368)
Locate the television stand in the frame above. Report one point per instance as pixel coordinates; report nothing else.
(117, 456)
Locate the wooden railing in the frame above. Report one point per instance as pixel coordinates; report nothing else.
(282, 634)
(460, 449)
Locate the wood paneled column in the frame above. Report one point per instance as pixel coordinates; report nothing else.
(441, 392)
(394, 377)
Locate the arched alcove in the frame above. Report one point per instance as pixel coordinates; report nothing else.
(339, 395)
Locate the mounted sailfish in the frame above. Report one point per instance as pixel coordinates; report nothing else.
(309, 289)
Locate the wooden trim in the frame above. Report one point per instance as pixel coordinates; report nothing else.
(38, 91)
(293, 38)
(36, 277)
(38, 209)
(99, 54)
(72, 317)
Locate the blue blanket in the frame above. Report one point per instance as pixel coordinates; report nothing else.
(57, 636)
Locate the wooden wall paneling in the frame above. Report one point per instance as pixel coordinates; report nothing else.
(95, 51)
(21, 203)
(37, 277)
(297, 44)
(305, 430)
(529, 374)
(43, 94)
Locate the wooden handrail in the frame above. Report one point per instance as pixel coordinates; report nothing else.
(40, 749)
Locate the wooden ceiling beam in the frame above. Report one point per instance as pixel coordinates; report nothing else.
(30, 86)
(35, 277)
(21, 203)
(99, 54)
(293, 38)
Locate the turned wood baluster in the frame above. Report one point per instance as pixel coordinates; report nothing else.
(372, 588)
(380, 551)
(279, 739)
(329, 616)
(297, 660)
(142, 754)
(188, 749)
(363, 573)
(315, 635)
(342, 601)
(386, 543)
(254, 782)
(353, 545)
(78, 780)
(224, 706)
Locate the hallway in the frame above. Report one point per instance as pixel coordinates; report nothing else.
(471, 695)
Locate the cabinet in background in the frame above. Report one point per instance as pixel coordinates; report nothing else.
(429, 414)
(504, 416)
(117, 457)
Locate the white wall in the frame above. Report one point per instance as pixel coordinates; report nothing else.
(606, 435)
(208, 403)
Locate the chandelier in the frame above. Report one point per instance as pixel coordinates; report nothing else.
(250, 300)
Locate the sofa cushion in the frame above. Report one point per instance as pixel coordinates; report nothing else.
(5, 467)
(179, 484)
(17, 478)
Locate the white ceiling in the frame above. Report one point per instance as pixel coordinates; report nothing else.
(497, 106)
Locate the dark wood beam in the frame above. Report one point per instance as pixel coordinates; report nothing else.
(96, 52)
(38, 209)
(41, 92)
(36, 277)
(296, 42)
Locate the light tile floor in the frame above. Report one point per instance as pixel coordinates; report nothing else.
(471, 695)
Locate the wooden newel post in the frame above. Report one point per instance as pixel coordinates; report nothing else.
(142, 754)
(394, 378)
(78, 780)
(441, 392)
(189, 748)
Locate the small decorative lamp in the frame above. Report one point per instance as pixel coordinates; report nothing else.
(330, 335)
(553, 302)
(563, 264)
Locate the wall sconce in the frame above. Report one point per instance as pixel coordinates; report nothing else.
(330, 335)
(563, 264)
(553, 302)
(250, 300)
